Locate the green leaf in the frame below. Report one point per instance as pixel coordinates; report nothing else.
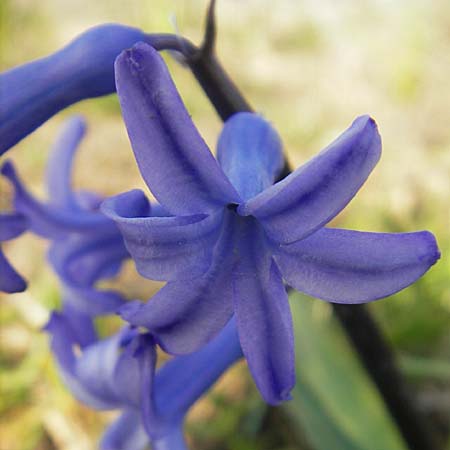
(335, 403)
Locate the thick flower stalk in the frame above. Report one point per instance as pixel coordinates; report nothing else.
(11, 225)
(85, 246)
(230, 237)
(119, 373)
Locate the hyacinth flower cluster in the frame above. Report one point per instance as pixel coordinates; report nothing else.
(117, 372)
(231, 237)
(225, 235)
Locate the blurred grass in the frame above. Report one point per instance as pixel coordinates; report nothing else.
(310, 68)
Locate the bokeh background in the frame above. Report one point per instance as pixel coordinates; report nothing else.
(310, 67)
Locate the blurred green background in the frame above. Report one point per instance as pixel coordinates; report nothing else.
(310, 67)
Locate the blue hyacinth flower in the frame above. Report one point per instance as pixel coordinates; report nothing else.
(119, 373)
(85, 246)
(34, 92)
(231, 237)
(11, 226)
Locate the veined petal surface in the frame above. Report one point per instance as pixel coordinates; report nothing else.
(263, 316)
(165, 248)
(173, 159)
(345, 266)
(184, 315)
(316, 192)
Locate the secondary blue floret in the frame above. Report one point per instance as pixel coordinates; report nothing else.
(119, 373)
(85, 246)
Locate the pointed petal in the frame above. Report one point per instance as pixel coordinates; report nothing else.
(145, 354)
(47, 220)
(34, 92)
(186, 315)
(263, 318)
(165, 248)
(344, 266)
(12, 225)
(125, 433)
(10, 280)
(311, 196)
(165, 433)
(250, 153)
(59, 168)
(172, 156)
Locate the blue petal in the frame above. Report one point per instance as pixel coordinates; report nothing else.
(125, 433)
(92, 301)
(63, 342)
(346, 266)
(145, 354)
(12, 225)
(183, 380)
(91, 375)
(311, 196)
(81, 324)
(263, 316)
(185, 315)
(34, 92)
(127, 373)
(81, 260)
(59, 167)
(10, 280)
(172, 157)
(250, 153)
(96, 366)
(48, 220)
(165, 248)
(166, 433)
